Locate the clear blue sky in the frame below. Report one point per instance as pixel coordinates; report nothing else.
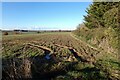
(43, 15)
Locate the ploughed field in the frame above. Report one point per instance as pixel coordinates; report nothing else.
(50, 56)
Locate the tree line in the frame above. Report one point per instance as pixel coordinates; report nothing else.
(102, 14)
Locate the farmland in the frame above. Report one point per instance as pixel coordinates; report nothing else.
(54, 56)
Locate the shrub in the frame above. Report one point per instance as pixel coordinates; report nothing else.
(5, 33)
(38, 31)
(16, 32)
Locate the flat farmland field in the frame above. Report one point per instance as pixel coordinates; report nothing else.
(51, 56)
